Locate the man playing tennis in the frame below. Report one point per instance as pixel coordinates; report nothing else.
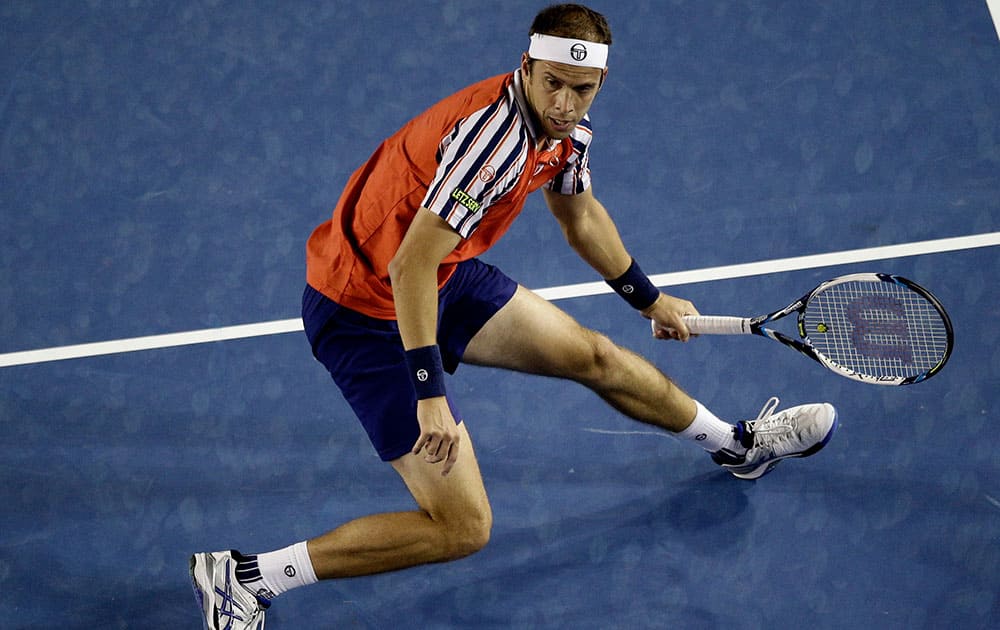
(396, 297)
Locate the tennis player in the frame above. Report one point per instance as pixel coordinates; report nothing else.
(396, 298)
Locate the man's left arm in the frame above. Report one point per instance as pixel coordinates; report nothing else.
(591, 232)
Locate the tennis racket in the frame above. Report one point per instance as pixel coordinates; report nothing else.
(871, 327)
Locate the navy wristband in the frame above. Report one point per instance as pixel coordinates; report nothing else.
(426, 371)
(635, 287)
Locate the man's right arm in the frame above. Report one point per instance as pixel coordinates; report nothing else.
(413, 272)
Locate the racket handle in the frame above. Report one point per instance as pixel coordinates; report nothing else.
(717, 325)
(714, 325)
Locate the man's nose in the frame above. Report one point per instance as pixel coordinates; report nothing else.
(564, 101)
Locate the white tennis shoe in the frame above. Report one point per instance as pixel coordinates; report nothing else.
(225, 603)
(795, 432)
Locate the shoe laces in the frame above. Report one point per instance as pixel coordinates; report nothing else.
(767, 425)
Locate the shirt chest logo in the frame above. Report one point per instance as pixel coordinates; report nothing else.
(487, 173)
(546, 160)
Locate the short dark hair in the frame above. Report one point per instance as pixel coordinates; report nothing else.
(573, 21)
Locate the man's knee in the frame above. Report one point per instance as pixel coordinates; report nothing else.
(602, 358)
(467, 534)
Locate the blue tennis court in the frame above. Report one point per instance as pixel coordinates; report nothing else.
(162, 164)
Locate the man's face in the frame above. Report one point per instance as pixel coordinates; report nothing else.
(559, 94)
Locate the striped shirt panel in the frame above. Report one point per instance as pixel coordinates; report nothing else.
(479, 162)
(486, 154)
(575, 177)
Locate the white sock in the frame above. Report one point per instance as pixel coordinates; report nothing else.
(285, 569)
(711, 433)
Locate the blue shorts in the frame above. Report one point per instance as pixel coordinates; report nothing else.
(365, 356)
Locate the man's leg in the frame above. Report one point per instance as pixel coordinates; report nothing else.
(453, 520)
(529, 334)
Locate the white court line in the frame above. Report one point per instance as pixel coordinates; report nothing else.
(994, 7)
(797, 263)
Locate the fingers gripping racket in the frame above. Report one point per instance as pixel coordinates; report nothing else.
(871, 327)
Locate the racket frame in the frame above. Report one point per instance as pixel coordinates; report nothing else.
(759, 326)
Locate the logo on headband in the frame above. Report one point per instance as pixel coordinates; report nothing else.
(574, 52)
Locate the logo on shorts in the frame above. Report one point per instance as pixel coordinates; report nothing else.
(422, 375)
(578, 52)
(465, 199)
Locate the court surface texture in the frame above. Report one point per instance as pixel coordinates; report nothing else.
(162, 164)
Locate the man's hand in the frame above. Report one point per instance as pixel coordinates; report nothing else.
(439, 436)
(667, 313)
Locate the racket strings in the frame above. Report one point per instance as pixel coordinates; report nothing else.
(880, 328)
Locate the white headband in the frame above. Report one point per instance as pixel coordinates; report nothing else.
(575, 52)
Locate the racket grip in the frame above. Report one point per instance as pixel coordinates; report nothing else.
(717, 325)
